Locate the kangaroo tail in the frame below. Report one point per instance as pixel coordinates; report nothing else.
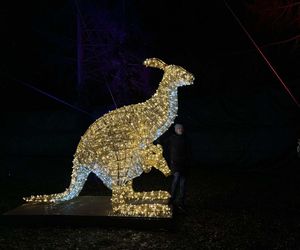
(79, 176)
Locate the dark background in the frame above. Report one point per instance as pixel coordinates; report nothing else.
(65, 63)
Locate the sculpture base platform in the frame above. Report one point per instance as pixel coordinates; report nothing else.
(80, 211)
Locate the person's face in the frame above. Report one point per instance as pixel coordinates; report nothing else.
(179, 130)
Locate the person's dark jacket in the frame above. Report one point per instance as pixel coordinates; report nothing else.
(179, 153)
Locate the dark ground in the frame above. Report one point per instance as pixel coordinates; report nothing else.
(227, 209)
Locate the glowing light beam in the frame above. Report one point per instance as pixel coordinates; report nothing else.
(52, 97)
(262, 54)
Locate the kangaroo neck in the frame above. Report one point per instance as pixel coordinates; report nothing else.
(164, 106)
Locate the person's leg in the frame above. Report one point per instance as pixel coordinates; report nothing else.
(182, 190)
(174, 186)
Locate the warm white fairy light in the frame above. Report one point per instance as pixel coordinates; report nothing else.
(118, 147)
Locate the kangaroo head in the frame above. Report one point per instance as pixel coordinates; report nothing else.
(174, 76)
(155, 63)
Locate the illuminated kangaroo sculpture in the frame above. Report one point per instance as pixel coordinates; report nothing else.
(118, 147)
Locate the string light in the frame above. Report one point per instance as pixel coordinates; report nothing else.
(118, 147)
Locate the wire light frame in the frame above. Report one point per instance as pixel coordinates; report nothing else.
(118, 147)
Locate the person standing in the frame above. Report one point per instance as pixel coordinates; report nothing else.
(179, 163)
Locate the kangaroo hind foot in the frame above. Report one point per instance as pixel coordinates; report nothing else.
(127, 202)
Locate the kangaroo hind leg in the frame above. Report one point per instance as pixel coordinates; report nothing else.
(79, 177)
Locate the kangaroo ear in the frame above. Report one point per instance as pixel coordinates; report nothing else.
(155, 63)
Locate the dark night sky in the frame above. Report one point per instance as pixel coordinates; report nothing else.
(237, 106)
(39, 48)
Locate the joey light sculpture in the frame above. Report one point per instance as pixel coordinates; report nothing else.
(118, 147)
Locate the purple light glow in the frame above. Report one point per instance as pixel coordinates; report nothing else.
(109, 57)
